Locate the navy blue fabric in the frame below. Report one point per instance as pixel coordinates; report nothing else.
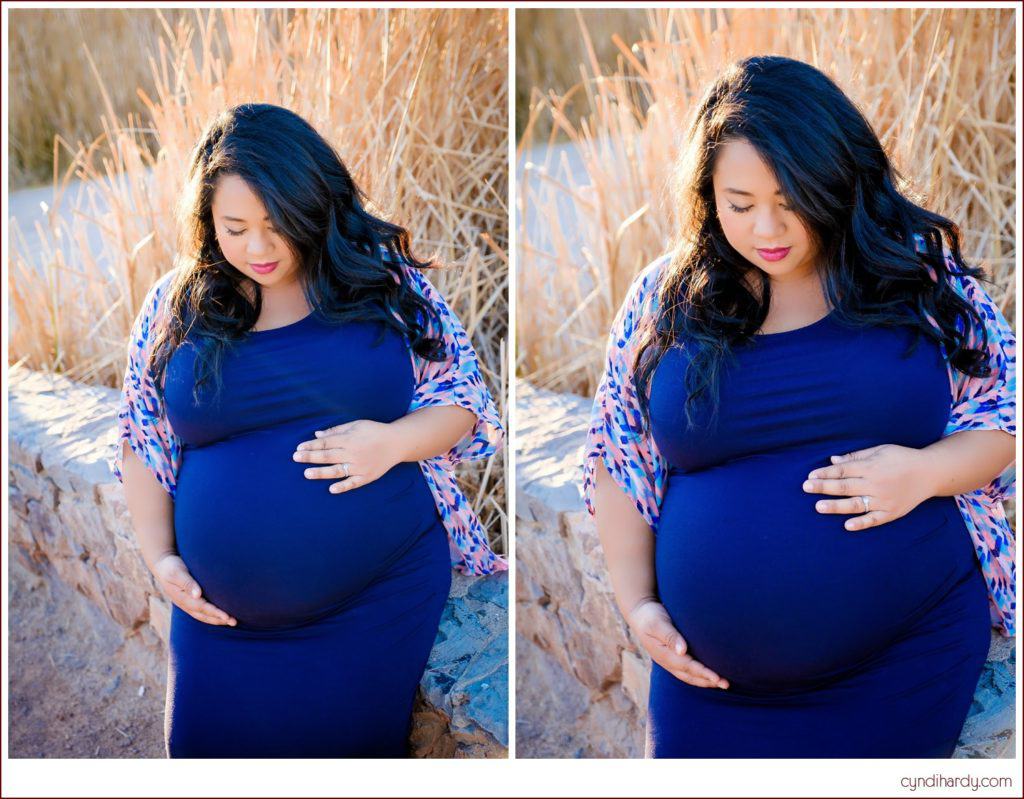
(337, 596)
(835, 643)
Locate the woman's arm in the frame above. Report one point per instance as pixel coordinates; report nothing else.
(897, 479)
(967, 461)
(428, 432)
(628, 545)
(624, 501)
(150, 507)
(152, 513)
(976, 447)
(360, 452)
(145, 459)
(452, 415)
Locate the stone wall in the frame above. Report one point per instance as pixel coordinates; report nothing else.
(69, 522)
(581, 678)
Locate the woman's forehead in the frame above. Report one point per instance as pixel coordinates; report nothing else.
(740, 168)
(234, 198)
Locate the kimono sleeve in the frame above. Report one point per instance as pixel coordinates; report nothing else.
(455, 380)
(988, 402)
(141, 417)
(616, 434)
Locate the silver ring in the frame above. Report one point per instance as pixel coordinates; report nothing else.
(867, 503)
(345, 467)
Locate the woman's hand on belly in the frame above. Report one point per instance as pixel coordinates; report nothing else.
(880, 484)
(181, 588)
(357, 453)
(653, 627)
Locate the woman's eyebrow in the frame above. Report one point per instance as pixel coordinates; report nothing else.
(743, 193)
(236, 219)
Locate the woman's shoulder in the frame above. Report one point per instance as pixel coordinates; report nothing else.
(990, 327)
(151, 315)
(641, 298)
(415, 277)
(159, 290)
(649, 278)
(966, 285)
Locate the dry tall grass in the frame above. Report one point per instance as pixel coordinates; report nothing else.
(938, 85)
(53, 90)
(546, 56)
(414, 100)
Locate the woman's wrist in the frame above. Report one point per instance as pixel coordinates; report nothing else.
(637, 604)
(398, 444)
(926, 475)
(153, 560)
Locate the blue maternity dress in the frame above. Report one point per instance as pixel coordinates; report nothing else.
(833, 646)
(338, 597)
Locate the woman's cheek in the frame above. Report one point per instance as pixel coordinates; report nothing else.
(733, 234)
(233, 251)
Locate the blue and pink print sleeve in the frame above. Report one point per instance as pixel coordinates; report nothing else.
(616, 435)
(141, 418)
(989, 403)
(456, 381)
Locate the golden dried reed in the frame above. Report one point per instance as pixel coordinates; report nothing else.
(52, 89)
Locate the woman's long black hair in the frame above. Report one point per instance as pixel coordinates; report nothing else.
(832, 170)
(350, 260)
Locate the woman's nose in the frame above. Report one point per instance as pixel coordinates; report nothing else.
(768, 226)
(258, 243)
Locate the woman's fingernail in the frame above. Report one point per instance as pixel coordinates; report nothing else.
(318, 433)
(808, 485)
(679, 647)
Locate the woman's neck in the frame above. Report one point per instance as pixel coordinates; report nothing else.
(795, 303)
(279, 305)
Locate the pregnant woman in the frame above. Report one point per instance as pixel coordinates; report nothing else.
(296, 396)
(797, 451)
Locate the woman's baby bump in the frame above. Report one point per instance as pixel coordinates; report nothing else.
(773, 595)
(273, 547)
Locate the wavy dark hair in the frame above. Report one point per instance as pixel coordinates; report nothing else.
(350, 261)
(832, 170)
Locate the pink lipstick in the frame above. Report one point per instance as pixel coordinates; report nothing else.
(265, 269)
(774, 255)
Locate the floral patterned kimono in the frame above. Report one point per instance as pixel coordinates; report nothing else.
(630, 455)
(142, 419)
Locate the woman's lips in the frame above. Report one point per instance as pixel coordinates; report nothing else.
(265, 269)
(774, 255)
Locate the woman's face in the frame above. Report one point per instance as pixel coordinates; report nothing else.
(246, 236)
(755, 217)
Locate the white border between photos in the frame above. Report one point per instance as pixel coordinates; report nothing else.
(540, 777)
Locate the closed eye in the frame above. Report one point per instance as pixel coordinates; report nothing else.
(739, 210)
(234, 232)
